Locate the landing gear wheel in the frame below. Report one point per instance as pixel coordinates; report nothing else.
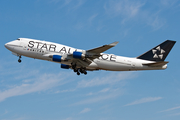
(75, 70)
(85, 73)
(81, 70)
(78, 73)
(19, 59)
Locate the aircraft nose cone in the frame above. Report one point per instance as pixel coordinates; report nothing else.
(6, 45)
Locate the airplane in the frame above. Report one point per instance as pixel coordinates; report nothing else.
(81, 61)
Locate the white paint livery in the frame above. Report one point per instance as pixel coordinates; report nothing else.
(82, 60)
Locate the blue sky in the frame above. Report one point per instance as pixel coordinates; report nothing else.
(41, 90)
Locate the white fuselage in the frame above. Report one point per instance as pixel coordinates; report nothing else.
(42, 50)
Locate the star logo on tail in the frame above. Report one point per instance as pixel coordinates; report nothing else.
(158, 52)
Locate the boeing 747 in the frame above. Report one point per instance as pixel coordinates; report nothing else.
(81, 61)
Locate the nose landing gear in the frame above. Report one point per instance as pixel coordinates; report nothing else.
(19, 60)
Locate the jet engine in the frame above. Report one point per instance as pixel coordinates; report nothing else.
(78, 55)
(57, 58)
(64, 66)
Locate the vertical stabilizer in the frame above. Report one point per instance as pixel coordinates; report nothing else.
(158, 53)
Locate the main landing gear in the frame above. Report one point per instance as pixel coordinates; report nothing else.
(79, 70)
(19, 60)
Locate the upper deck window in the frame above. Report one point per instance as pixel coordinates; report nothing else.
(18, 39)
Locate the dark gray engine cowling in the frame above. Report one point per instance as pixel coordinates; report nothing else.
(78, 55)
(64, 66)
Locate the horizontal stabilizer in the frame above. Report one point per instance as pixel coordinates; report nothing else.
(156, 64)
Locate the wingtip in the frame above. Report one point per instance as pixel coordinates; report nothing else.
(114, 43)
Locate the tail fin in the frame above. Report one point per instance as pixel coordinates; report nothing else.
(158, 53)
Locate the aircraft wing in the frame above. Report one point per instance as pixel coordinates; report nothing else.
(95, 52)
(102, 48)
(84, 58)
(83, 63)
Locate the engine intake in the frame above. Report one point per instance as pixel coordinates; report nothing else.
(78, 55)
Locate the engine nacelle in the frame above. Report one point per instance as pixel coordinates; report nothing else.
(57, 58)
(64, 66)
(78, 55)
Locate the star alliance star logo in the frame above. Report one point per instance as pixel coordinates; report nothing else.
(158, 52)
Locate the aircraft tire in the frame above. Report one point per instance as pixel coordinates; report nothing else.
(78, 73)
(19, 61)
(75, 70)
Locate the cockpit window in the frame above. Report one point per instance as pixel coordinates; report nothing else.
(18, 39)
